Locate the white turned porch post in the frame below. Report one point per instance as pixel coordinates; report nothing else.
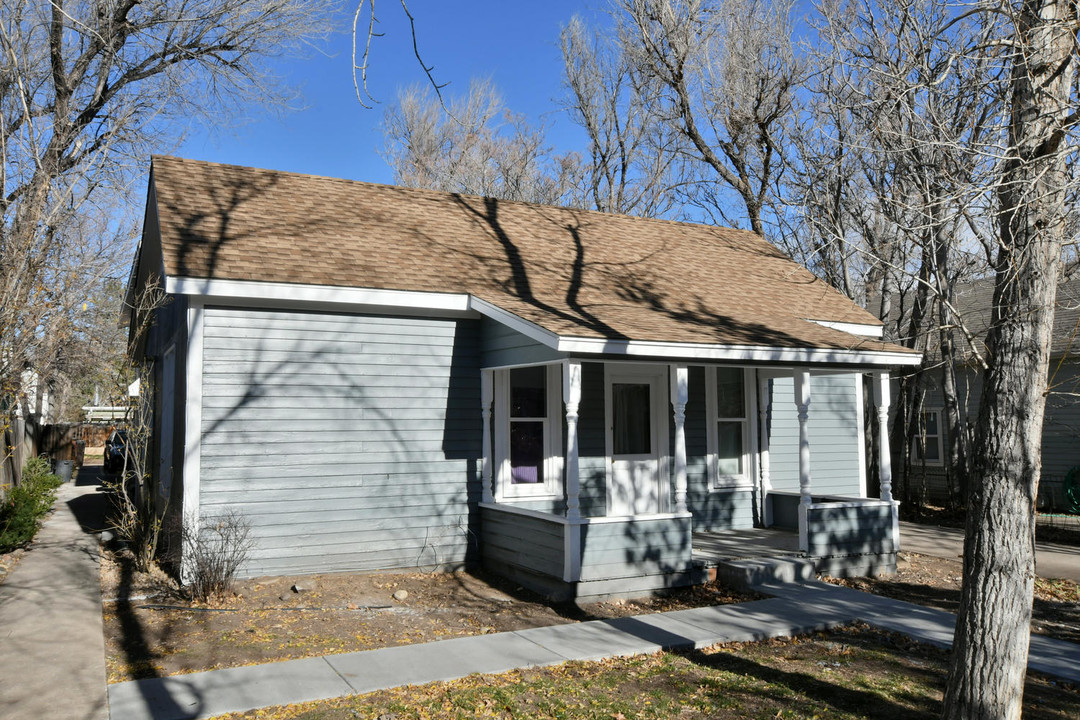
(679, 394)
(764, 404)
(572, 398)
(802, 404)
(881, 401)
(486, 395)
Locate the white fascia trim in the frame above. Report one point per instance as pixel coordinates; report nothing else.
(735, 353)
(247, 290)
(867, 330)
(512, 321)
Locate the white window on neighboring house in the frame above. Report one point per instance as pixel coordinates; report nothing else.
(928, 446)
(529, 432)
(729, 404)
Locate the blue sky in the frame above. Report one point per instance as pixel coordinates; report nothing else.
(515, 43)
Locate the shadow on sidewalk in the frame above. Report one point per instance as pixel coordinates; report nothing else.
(91, 511)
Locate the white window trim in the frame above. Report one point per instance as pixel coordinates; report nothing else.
(746, 480)
(552, 487)
(940, 439)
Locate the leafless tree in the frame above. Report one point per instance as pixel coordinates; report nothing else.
(1037, 170)
(726, 74)
(86, 89)
(893, 164)
(475, 146)
(634, 163)
(963, 118)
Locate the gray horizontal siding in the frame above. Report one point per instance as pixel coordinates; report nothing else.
(520, 541)
(833, 431)
(348, 442)
(713, 510)
(722, 509)
(635, 548)
(592, 453)
(849, 530)
(501, 345)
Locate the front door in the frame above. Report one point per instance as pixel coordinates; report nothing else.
(636, 439)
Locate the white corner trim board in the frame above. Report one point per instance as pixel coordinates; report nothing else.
(193, 411)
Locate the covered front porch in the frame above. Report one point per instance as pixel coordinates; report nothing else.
(614, 477)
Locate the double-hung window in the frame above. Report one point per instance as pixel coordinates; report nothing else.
(528, 401)
(927, 445)
(728, 408)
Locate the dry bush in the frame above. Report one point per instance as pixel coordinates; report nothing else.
(213, 553)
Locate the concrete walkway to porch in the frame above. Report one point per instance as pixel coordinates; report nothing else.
(51, 639)
(795, 608)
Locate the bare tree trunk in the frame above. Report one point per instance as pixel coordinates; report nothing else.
(956, 451)
(989, 659)
(954, 445)
(909, 398)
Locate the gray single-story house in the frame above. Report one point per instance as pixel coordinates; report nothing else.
(380, 377)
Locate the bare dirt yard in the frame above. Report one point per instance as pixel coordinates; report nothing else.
(157, 632)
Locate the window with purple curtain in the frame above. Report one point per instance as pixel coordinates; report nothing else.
(528, 424)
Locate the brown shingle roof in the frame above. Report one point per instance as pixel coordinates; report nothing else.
(576, 273)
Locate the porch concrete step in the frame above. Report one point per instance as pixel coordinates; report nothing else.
(744, 574)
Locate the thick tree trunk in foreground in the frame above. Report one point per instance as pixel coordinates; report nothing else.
(989, 658)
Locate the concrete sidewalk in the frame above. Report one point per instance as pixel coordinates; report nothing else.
(206, 694)
(51, 639)
(52, 647)
(1051, 560)
(797, 608)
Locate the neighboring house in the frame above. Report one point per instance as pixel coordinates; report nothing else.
(111, 413)
(1061, 426)
(380, 377)
(22, 424)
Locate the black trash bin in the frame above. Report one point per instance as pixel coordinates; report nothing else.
(64, 469)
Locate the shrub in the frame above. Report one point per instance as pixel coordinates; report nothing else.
(213, 554)
(135, 520)
(26, 504)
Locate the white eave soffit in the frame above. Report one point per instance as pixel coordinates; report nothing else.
(404, 300)
(695, 351)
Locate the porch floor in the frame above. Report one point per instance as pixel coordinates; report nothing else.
(710, 548)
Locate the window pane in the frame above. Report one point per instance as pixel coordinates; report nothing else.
(526, 452)
(930, 418)
(528, 392)
(729, 393)
(729, 447)
(630, 411)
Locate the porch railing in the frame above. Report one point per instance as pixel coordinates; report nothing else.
(585, 549)
(837, 526)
